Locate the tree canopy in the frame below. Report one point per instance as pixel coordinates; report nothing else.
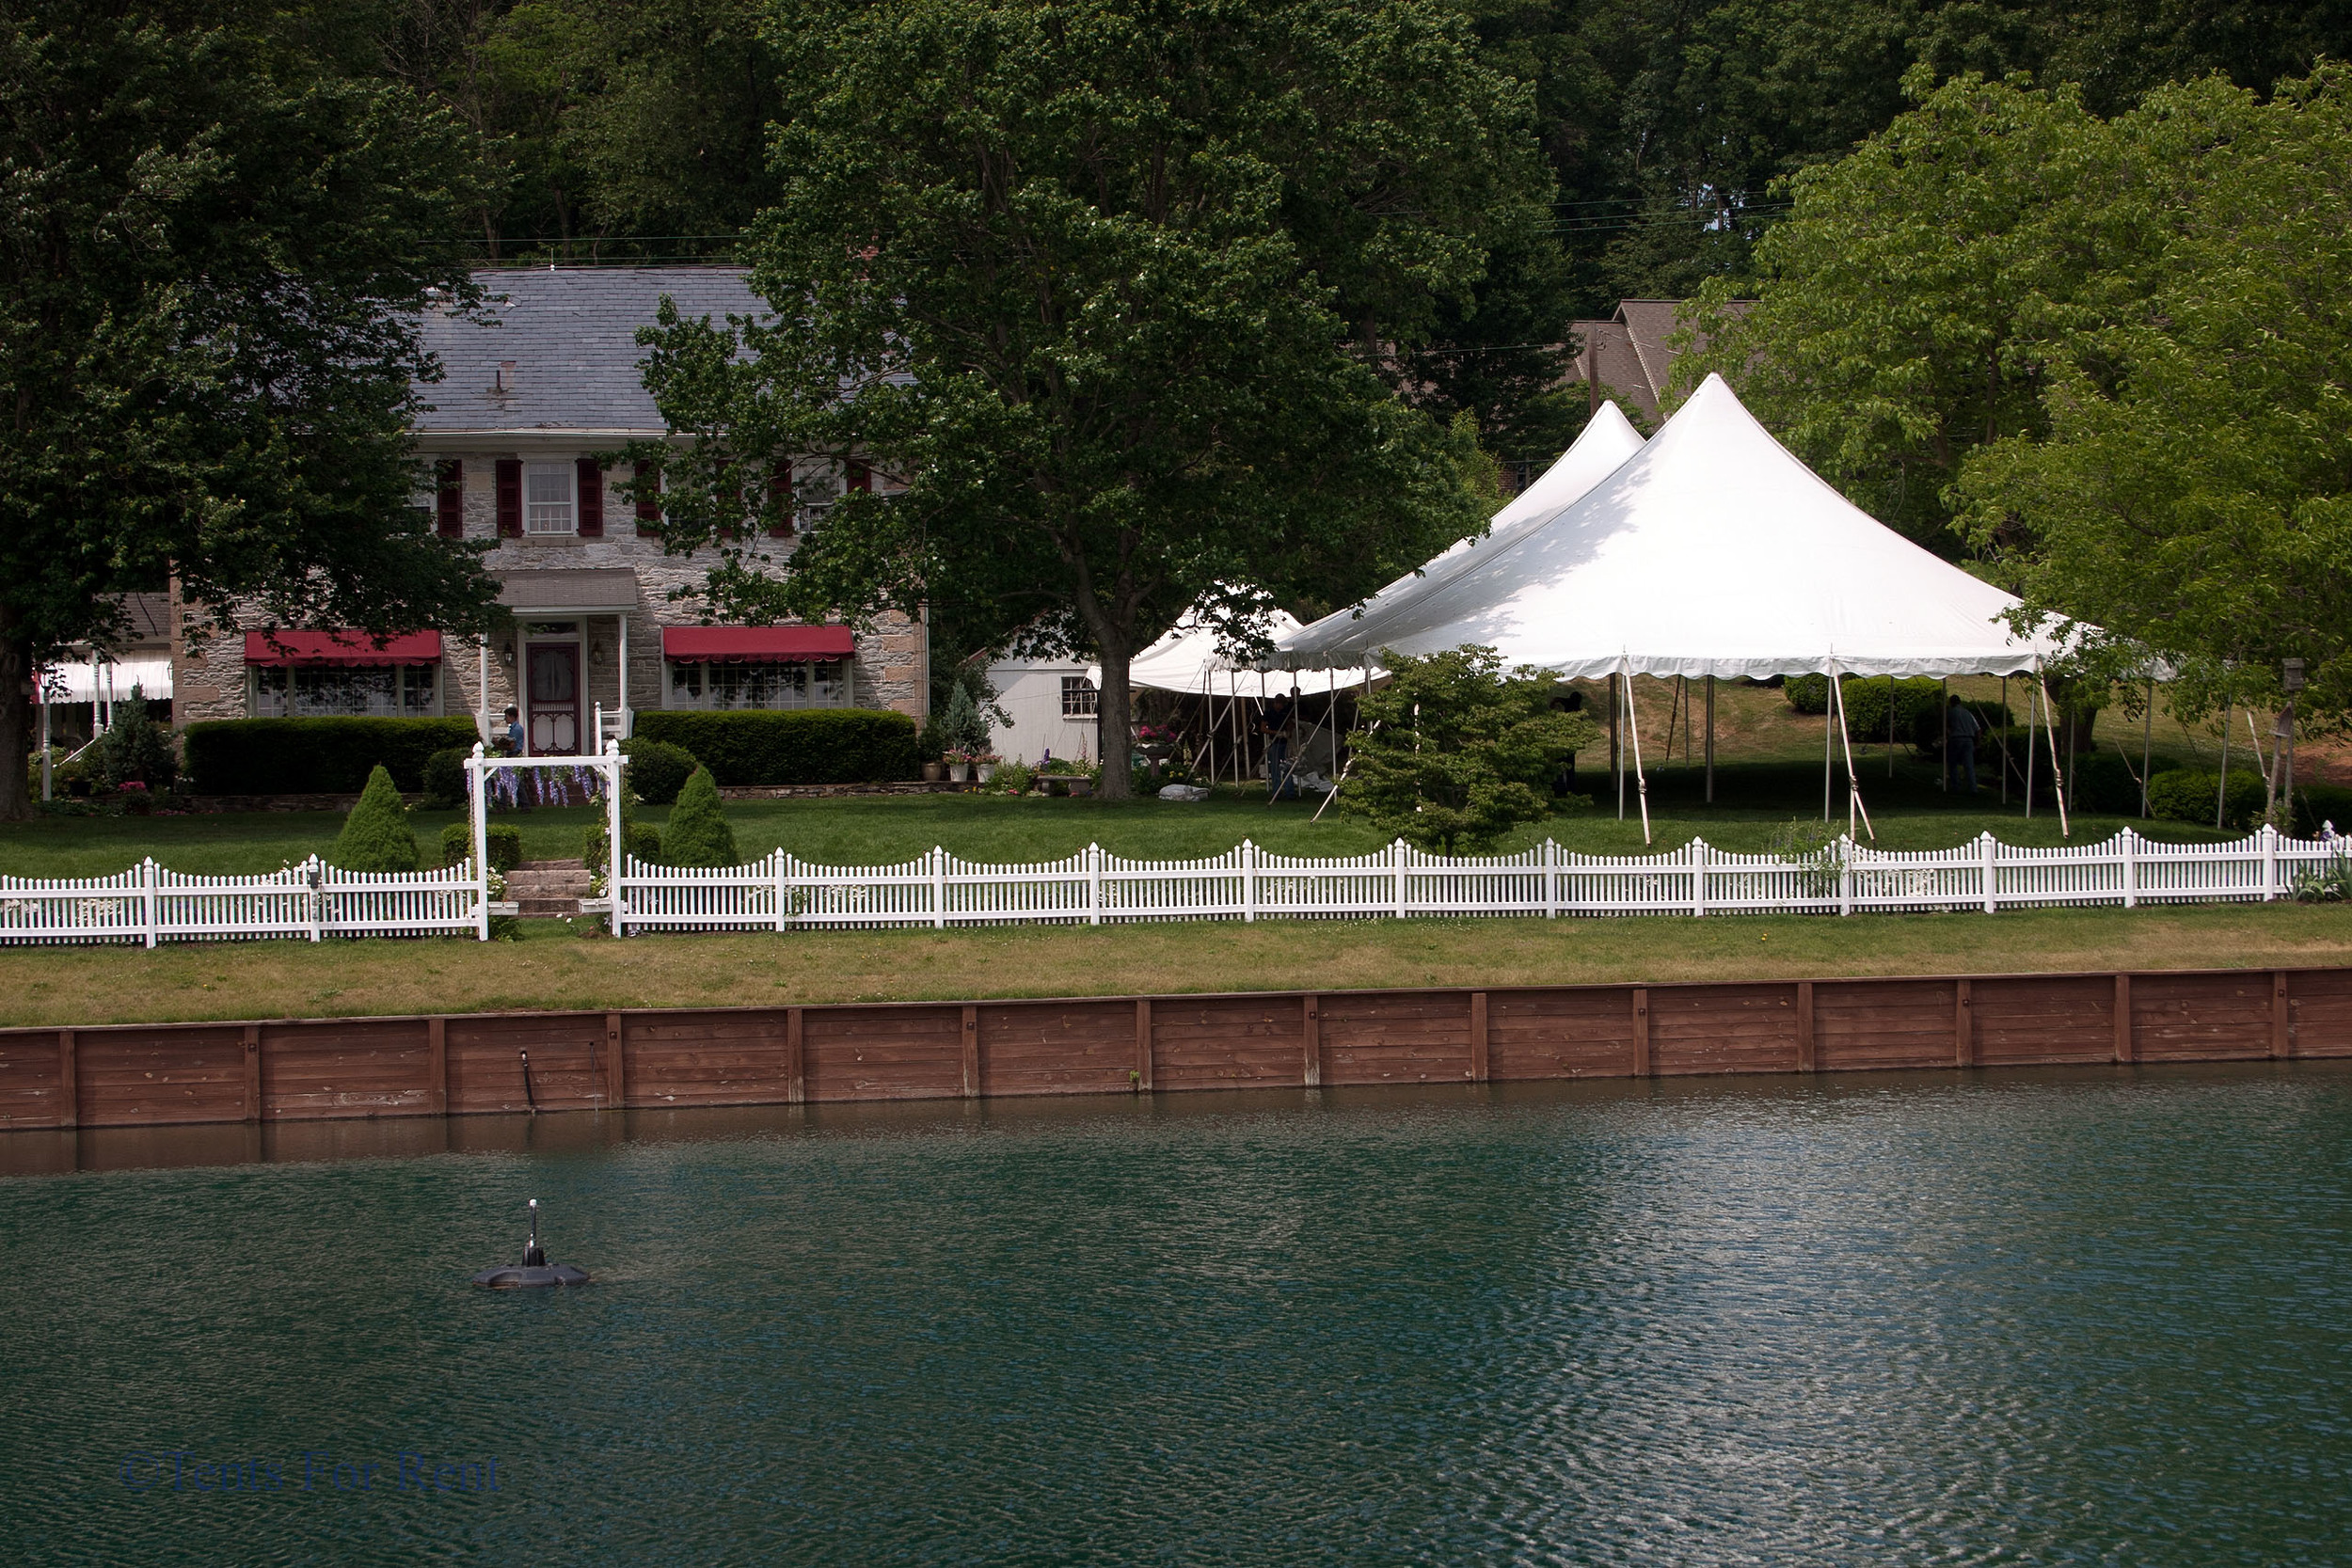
(216, 249)
(1105, 283)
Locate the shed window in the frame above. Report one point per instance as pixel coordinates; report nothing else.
(1078, 697)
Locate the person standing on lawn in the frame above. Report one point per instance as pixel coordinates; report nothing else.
(1275, 722)
(1961, 728)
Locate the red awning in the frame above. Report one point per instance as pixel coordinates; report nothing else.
(341, 647)
(755, 645)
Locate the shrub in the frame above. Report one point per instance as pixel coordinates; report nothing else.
(657, 768)
(445, 777)
(137, 748)
(1914, 700)
(504, 839)
(375, 836)
(642, 838)
(2109, 782)
(1013, 778)
(1806, 693)
(2188, 796)
(699, 835)
(295, 756)
(806, 746)
(962, 728)
(2316, 804)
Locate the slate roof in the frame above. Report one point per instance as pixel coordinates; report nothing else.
(1631, 352)
(572, 335)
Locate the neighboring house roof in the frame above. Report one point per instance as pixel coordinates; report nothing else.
(572, 335)
(1629, 350)
(146, 618)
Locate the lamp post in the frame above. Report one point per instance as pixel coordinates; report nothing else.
(2291, 681)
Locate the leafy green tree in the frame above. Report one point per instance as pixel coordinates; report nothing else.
(1462, 751)
(212, 258)
(697, 833)
(375, 836)
(2191, 491)
(1105, 284)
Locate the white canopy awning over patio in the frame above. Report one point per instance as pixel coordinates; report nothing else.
(1709, 551)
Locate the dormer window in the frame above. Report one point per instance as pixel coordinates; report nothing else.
(548, 499)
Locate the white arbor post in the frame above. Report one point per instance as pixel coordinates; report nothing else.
(477, 791)
(616, 856)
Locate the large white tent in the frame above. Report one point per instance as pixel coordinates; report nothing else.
(1709, 551)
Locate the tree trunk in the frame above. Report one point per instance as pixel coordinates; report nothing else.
(16, 712)
(1115, 710)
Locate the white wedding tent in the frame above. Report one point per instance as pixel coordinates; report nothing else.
(1710, 551)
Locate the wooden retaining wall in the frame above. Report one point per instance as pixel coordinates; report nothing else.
(317, 1068)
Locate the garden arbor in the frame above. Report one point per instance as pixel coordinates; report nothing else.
(602, 772)
(1710, 551)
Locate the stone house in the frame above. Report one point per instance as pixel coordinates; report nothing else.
(511, 437)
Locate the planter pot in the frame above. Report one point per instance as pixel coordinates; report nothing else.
(1082, 787)
(934, 772)
(960, 772)
(984, 771)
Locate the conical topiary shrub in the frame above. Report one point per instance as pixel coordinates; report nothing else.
(375, 836)
(697, 833)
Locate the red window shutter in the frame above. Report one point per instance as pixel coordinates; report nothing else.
(449, 497)
(647, 490)
(591, 498)
(510, 497)
(860, 477)
(780, 500)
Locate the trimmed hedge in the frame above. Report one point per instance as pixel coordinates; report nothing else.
(804, 746)
(698, 833)
(375, 836)
(504, 839)
(2316, 804)
(305, 757)
(656, 769)
(445, 777)
(2188, 794)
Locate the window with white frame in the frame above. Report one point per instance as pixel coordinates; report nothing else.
(548, 499)
(1078, 697)
(344, 690)
(725, 688)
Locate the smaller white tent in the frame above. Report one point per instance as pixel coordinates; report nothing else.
(1189, 659)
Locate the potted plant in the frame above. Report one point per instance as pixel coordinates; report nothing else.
(984, 766)
(959, 763)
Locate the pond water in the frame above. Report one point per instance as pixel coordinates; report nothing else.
(2091, 1316)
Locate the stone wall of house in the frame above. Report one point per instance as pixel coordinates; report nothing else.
(891, 671)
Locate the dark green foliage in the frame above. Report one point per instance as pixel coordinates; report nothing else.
(444, 777)
(698, 833)
(1462, 751)
(136, 748)
(1914, 700)
(505, 841)
(2318, 804)
(2188, 794)
(2109, 782)
(1806, 693)
(807, 746)
(960, 727)
(375, 836)
(642, 838)
(657, 768)
(303, 756)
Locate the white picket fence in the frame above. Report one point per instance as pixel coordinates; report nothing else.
(1248, 883)
(150, 905)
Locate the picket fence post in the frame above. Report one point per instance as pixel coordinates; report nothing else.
(1988, 846)
(1249, 882)
(1698, 879)
(784, 890)
(939, 887)
(1552, 879)
(2131, 869)
(314, 873)
(1400, 850)
(2270, 863)
(147, 883)
(1845, 874)
(1094, 885)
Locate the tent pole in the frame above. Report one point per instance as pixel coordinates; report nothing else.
(1686, 720)
(1943, 705)
(1617, 750)
(1853, 785)
(1890, 729)
(1829, 739)
(2029, 761)
(2057, 779)
(1710, 741)
(1634, 732)
(2005, 740)
(2147, 744)
(2221, 795)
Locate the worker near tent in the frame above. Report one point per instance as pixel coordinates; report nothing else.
(1961, 728)
(1275, 721)
(1563, 780)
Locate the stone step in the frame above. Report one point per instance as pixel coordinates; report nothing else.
(545, 908)
(551, 865)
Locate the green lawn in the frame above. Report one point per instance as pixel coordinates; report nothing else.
(1911, 813)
